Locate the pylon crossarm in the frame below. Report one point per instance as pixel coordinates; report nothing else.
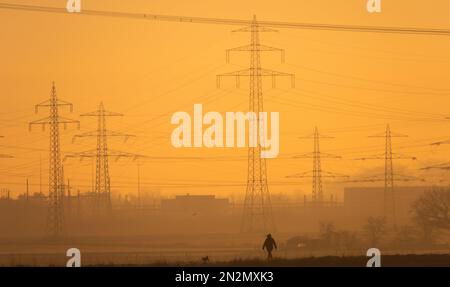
(111, 153)
(441, 143)
(107, 133)
(102, 113)
(320, 136)
(254, 29)
(300, 175)
(443, 166)
(309, 174)
(401, 156)
(304, 155)
(244, 72)
(333, 174)
(63, 120)
(382, 156)
(119, 134)
(392, 135)
(313, 154)
(57, 102)
(369, 179)
(407, 178)
(6, 156)
(120, 154)
(329, 155)
(249, 48)
(260, 72)
(83, 135)
(259, 48)
(42, 121)
(48, 120)
(81, 155)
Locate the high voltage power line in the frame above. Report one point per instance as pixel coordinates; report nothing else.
(182, 19)
(239, 22)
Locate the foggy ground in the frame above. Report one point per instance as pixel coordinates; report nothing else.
(426, 260)
(183, 250)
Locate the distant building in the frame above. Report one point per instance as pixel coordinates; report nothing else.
(34, 196)
(363, 202)
(195, 204)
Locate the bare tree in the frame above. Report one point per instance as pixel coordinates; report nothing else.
(375, 229)
(432, 210)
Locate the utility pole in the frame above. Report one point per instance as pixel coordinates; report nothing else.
(101, 155)
(389, 181)
(55, 219)
(317, 173)
(257, 215)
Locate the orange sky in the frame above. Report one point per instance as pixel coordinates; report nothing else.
(348, 84)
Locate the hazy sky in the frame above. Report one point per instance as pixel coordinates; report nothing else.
(348, 84)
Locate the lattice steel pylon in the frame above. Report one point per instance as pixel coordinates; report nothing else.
(101, 154)
(389, 197)
(257, 214)
(317, 173)
(55, 219)
(389, 180)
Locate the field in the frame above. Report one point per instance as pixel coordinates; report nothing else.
(427, 260)
(188, 251)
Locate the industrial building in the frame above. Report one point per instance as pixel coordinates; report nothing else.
(195, 204)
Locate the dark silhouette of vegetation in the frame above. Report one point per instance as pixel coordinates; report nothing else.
(432, 212)
(375, 229)
(430, 260)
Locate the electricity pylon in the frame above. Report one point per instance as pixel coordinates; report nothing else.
(55, 219)
(389, 156)
(317, 172)
(101, 154)
(257, 215)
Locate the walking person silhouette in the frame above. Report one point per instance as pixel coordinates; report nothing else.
(269, 244)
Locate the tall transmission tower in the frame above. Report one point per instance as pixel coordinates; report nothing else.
(257, 215)
(389, 181)
(317, 173)
(101, 155)
(55, 219)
